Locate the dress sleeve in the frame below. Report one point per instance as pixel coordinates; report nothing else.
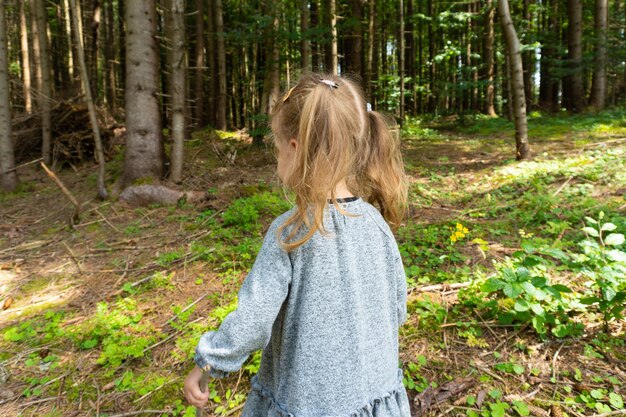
(401, 290)
(249, 327)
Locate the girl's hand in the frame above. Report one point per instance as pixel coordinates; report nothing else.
(192, 389)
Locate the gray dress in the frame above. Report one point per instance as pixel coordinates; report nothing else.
(327, 317)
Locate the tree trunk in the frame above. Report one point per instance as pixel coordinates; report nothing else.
(71, 65)
(331, 63)
(221, 67)
(93, 65)
(198, 79)
(42, 63)
(549, 84)
(401, 58)
(371, 41)
(8, 176)
(144, 143)
(121, 29)
(528, 57)
(517, 80)
(212, 67)
(26, 78)
(109, 54)
(575, 90)
(78, 30)
(315, 45)
(409, 56)
(177, 69)
(598, 89)
(489, 62)
(354, 41)
(305, 52)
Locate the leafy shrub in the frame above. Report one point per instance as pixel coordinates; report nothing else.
(605, 267)
(244, 213)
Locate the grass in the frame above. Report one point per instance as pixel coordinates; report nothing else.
(123, 339)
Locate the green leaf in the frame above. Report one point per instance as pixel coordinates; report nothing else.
(614, 239)
(590, 231)
(561, 288)
(521, 305)
(492, 285)
(609, 227)
(616, 401)
(521, 408)
(590, 220)
(597, 394)
(495, 394)
(603, 408)
(498, 409)
(512, 290)
(616, 255)
(539, 323)
(537, 309)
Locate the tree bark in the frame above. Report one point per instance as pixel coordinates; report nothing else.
(549, 83)
(331, 63)
(221, 66)
(489, 61)
(198, 79)
(598, 86)
(26, 76)
(574, 82)
(371, 41)
(517, 80)
(305, 43)
(42, 63)
(144, 143)
(109, 54)
(78, 30)
(354, 41)
(68, 33)
(178, 70)
(8, 176)
(401, 58)
(212, 83)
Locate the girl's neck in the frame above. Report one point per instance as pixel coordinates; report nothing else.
(341, 191)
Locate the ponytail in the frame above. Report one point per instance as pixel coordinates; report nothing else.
(385, 181)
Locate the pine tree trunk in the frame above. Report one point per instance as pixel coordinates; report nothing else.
(315, 45)
(598, 89)
(95, 30)
(371, 41)
(574, 82)
(109, 53)
(198, 72)
(489, 76)
(121, 30)
(528, 57)
(178, 70)
(305, 44)
(331, 63)
(42, 64)
(354, 41)
(8, 176)
(401, 58)
(409, 56)
(549, 85)
(212, 67)
(26, 76)
(221, 104)
(516, 75)
(144, 143)
(78, 30)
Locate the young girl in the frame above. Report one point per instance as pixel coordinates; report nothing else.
(327, 292)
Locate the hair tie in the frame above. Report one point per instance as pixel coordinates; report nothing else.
(330, 83)
(368, 107)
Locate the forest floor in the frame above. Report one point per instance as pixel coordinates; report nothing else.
(101, 319)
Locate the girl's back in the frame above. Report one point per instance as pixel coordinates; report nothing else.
(334, 345)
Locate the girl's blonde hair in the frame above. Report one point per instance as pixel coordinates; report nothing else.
(338, 139)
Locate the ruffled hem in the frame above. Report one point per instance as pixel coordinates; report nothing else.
(393, 403)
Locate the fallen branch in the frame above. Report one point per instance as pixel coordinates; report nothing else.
(65, 191)
(441, 287)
